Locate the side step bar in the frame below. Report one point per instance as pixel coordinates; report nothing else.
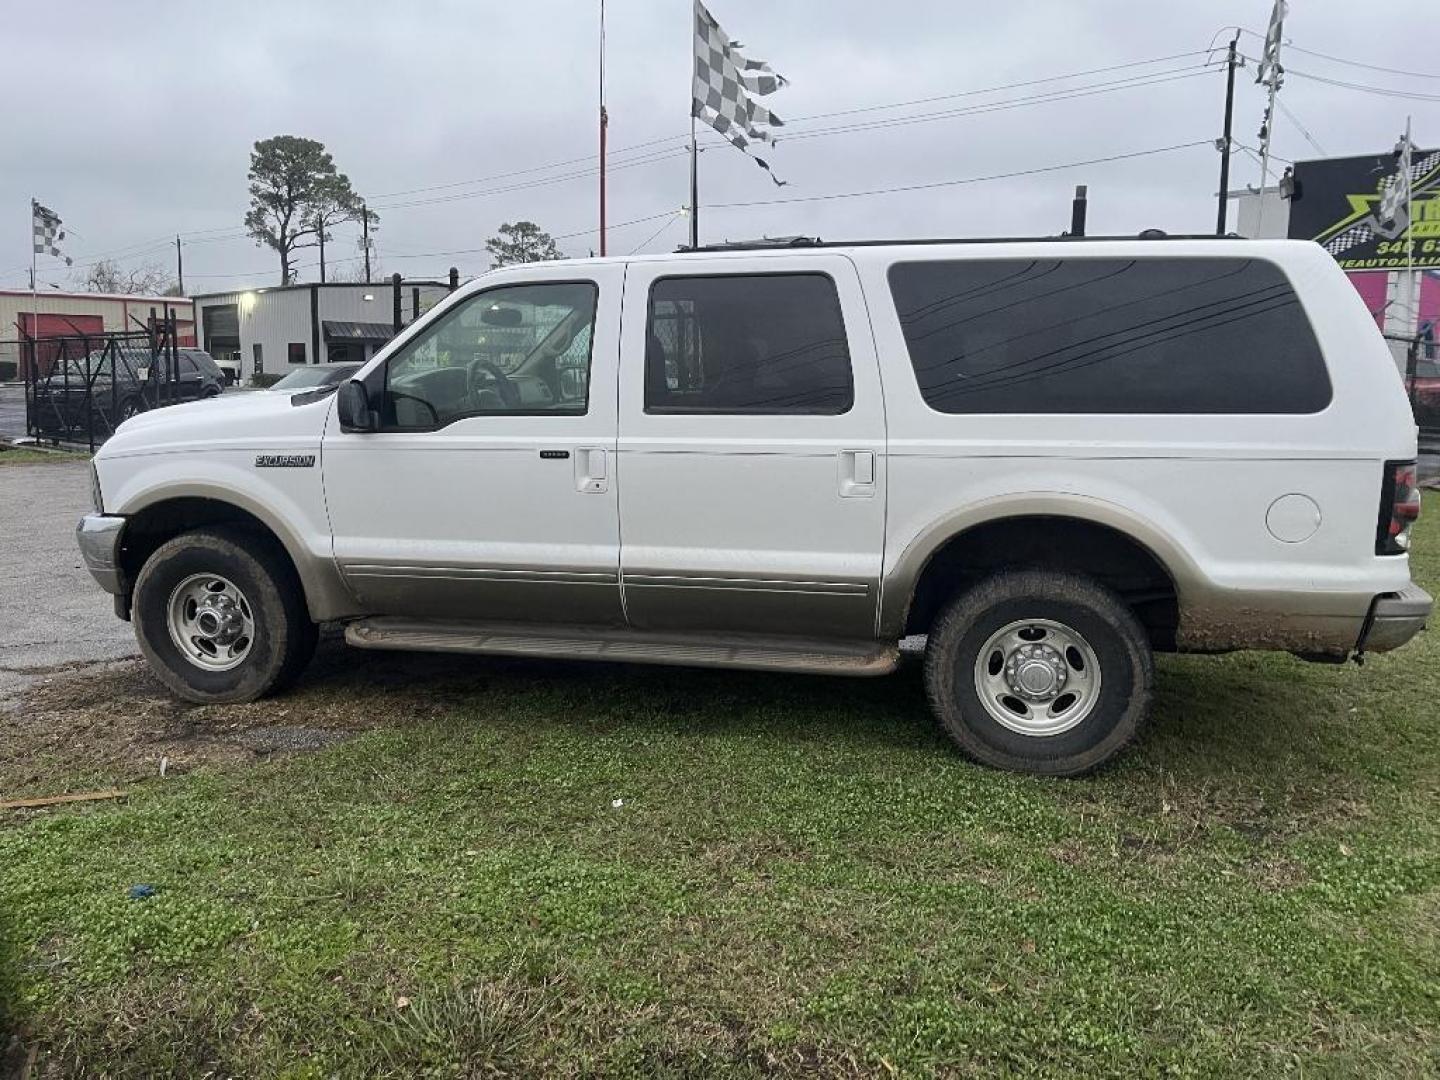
(756, 653)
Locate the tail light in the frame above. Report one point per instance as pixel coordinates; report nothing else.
(1399, 507)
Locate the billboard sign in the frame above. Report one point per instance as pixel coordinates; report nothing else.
(1337, 204)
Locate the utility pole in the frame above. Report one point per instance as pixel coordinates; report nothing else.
(320, 229)
(365, 232)
(179, 266)
(1224, 197)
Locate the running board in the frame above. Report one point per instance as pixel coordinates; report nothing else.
(755, 653)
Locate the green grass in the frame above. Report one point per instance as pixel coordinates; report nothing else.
(16, 455)
(802, 878)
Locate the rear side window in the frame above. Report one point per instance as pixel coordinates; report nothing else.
(1148, 335)
(753, 343)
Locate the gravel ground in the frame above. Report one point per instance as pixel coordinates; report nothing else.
(53, 616)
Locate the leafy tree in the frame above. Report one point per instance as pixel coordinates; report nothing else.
(522, 242)
(295, 191)
(107, 276)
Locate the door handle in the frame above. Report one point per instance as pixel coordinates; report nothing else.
(591, 470)
(857, 474)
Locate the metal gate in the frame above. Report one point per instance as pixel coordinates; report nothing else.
(80, 388)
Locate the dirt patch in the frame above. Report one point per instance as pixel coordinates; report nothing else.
(113, 723)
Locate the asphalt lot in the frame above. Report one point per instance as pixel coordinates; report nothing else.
(52, 614)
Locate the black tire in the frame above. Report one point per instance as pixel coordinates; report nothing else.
(284, 637)
(1111, 630)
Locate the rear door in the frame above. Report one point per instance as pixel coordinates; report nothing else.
(751, 447)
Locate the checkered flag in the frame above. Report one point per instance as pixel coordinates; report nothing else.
(48, 232)
(724, 83)
(1269, 66)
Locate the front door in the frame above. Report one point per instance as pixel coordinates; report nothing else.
(752, 442)
(489, 491)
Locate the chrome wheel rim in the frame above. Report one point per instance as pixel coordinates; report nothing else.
(210, 622)
(1037, 677)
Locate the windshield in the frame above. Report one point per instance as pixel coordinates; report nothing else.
(310, 377)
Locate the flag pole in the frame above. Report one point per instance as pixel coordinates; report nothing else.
(604, 124)
(1265, 154)
(694, 186)
(1412, 316)
(34, 296)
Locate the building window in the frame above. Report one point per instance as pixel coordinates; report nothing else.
(297, 352)
(259, 358)
(756, 343)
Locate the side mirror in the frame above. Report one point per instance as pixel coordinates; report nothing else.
(353, 406)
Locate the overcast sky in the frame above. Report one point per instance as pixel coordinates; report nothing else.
(136, 123)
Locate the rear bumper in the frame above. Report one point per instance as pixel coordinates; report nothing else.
(1394, 619)
(99, 538)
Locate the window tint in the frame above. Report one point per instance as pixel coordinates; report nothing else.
(519, 349)
(762, 343)
(1149, 335)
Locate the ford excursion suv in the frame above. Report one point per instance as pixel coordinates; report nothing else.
(1051, 458)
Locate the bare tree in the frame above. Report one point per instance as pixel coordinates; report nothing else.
(108, 276)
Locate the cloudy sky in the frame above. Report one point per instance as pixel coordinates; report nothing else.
(453, 116)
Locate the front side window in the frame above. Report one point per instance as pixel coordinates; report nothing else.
(753, 343)
(516, 349)
(1103, 335)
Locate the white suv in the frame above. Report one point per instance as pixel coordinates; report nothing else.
(1051, 457)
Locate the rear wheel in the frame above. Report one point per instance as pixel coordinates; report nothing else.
(221, 617)
(1040, 672)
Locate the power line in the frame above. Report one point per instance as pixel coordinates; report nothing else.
(1001, 106)
(1343, 60)
(1296, 121)
(664, 225)
(965, 180)
(1364, 88)
(798, 120)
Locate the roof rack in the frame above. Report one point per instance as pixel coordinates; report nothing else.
(768, 243)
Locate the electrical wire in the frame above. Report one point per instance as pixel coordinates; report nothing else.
(651, 238)
(1296, 121)
(1290, 45)
(964, 180)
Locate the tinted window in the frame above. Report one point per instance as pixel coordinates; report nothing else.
(1151, 335)
(763, 343)
(206, 365)
(513, 349)
(295, 354)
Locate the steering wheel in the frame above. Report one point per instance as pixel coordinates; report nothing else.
(508, 392)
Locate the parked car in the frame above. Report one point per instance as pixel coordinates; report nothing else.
(1424, 390)
(1052, 458)
(80, 383)
(316, 376)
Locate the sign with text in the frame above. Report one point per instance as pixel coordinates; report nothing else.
(1337, 204)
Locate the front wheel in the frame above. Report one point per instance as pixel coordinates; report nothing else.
(221, 617)
(1039, 671)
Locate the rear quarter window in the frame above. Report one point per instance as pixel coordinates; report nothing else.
(1097, 335)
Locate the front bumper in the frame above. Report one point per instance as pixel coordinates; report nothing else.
(99, 538)
(1394, 619)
